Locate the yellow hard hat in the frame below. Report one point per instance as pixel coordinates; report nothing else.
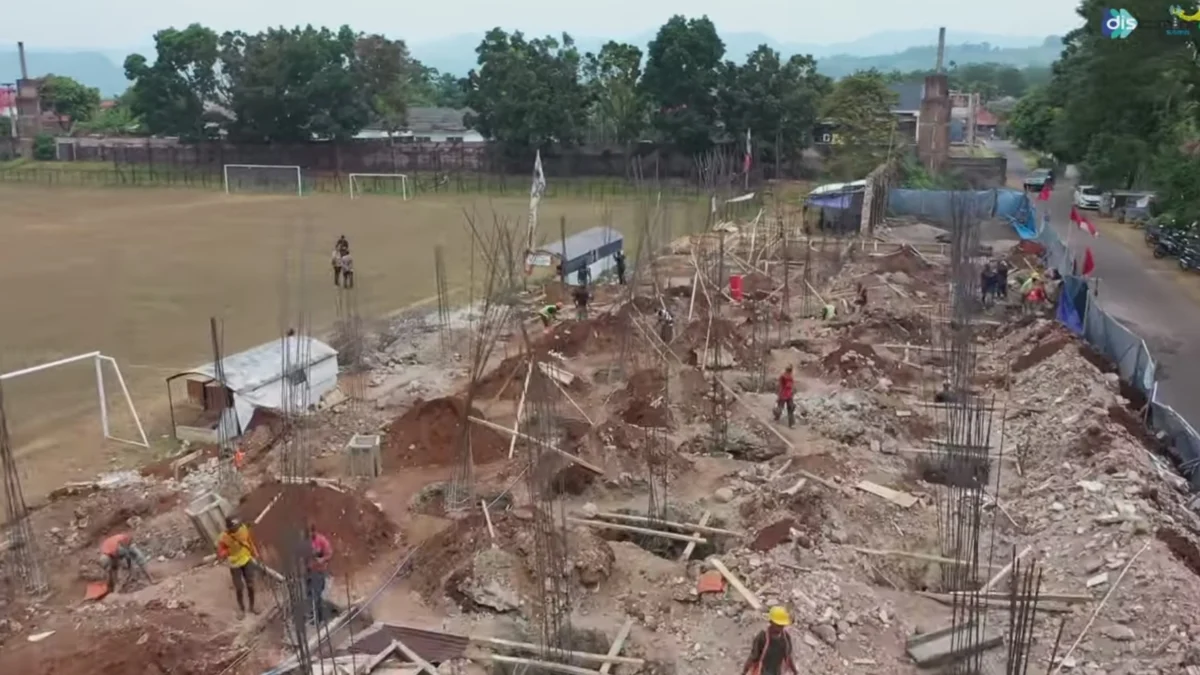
(779, 616)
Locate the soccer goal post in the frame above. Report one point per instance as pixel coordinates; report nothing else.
(379, 183)
(98, 360)
(271, 178)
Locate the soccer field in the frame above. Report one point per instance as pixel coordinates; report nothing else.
(136, 274)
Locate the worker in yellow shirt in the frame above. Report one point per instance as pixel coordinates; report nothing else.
(236, 547)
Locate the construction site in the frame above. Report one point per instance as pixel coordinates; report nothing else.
(965, 486)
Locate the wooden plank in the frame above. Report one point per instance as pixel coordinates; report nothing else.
(737, 584)
(691, 547)
(1006, 570)
(954, 646)
(901, 499)
(414, 657)
(516, 434)
(919, 556)
(578, 656)
(600, 524)
(700, 528)
(512, 444)
(799, 485)
(619, 642)
(548, 665)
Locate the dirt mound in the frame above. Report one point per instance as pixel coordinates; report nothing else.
(757, 286)
(507, 380)
(905, 260)
(358, 530)
(446, 553)
(889, 327)
(153, 648)
(593, 336)
(773, 535)
(689, 345)
(1040, 353)
(644, 402)
(427, 435)
(1182, 547)
(849, 357)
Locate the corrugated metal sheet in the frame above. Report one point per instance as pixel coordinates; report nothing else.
(433, 646)
(248, 370)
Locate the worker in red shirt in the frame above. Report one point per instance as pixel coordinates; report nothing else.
(119, 549)
(786, 396)
(318, 572)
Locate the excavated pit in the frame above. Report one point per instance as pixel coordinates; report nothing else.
(670, 549)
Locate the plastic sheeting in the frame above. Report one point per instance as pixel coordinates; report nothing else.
(937, 206)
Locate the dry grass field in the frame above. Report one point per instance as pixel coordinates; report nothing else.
(136, 274)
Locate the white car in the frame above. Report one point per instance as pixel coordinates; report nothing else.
(1087, 197)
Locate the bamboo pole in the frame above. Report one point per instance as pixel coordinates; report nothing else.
(512, 444)
(619, 642)
(578, 656)
(701, 528)
(516, 434)
(691, 547)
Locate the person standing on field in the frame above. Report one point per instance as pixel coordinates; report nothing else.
(347, 270)
(337, 266)
(786, 397)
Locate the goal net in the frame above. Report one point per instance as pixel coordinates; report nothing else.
(395, 184)
(92, 380)
(263, 178)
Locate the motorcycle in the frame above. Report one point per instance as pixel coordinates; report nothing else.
(1168, 245)
(1189, 259)
(1153, 232)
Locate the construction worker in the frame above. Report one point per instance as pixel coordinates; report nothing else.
(666, 325)
(117, 549)
(582, 297)
(237, 548)
(584, 276)
(829, 312)
(772, 647)
(318, 572)
(619, 259)
(549, 313)
(786, 397)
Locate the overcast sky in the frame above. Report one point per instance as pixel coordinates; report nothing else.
(128, 23)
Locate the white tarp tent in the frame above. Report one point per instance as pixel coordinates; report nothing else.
(256, 377)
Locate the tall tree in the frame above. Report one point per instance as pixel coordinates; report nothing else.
(681, 80)
(618, 105)
(294, 85)
(69, 100)
(859, 108)
(527, 94)
(170, 96)
(391, 77)
(775, 100)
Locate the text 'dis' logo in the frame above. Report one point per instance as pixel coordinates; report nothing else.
(1118, 24)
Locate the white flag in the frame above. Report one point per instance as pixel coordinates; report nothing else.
(535, 195)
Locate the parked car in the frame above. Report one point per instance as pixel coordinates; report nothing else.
(1039, 179)
(1087, 197)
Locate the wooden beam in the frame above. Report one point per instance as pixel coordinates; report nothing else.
(737, 584)
(578, 656)
(414, 657)
(619, 642)
(516, 434)
(691, 547)
(918, 556)
(571, 400)
(1006, 570)
(600, 524)
(512, 444)
(699, 528)
(548, 665)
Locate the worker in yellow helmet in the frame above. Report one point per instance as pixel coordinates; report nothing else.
(772, 647)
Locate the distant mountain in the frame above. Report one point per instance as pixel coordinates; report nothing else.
(456, 54)
(93, 68)
(891, 50)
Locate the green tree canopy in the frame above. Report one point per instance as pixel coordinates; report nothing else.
(681, 81)
(619, 108)
(774, 99)
(170, 96)
(527, 94)
(859, 108)
(69, 100)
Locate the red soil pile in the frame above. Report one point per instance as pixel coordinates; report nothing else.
(357, 529)
(593, 336)
(645, 403)
(690, 344)
(889, 327)
(154, 648)
(446, 552)
(427, 435)
(757, 286)
(773, 535)
(507, 380)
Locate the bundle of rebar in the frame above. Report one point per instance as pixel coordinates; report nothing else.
(229, 479)
(21, 560)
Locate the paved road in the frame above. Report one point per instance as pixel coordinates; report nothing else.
(1143, 297)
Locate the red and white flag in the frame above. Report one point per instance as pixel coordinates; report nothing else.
(746, 162)
(1089, 263)
(1044, 195)
(1083, 223)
